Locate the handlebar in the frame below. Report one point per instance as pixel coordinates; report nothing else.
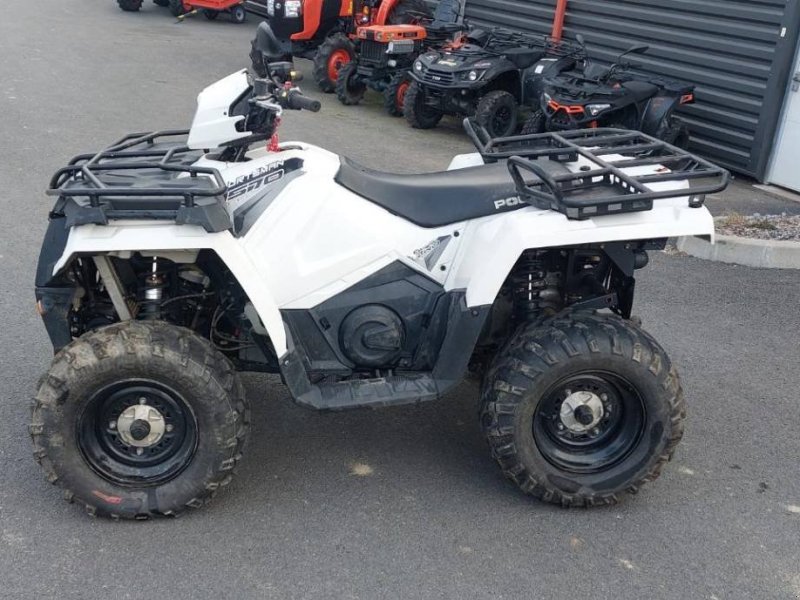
(294, 99)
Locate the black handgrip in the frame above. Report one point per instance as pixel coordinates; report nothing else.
(297, 101)
(515, 163)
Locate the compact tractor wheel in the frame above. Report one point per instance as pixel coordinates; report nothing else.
(395, 94)
(409, 12)
(335, 52)
(162, 3)
(418, 114)
(582, 408)
(349, 89)
(139, 419)
(130, 5)
(536, 123)
(238, 14)
(176, 7)
(497, 113)
(211, 15)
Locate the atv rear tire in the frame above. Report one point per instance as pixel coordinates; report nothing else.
(677, 134)
(130, 5)
(336, 51)
(497, 113)
(409, 12)
(581, 408)
(176, 8)
(395, 94)
(536, 123)
(418, 114)
(349, 90)
(139, 419)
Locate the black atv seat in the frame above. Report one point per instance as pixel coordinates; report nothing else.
(641, 90)
(437, 199)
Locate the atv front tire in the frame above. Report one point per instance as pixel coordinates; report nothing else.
(395, 94)
(582, 408)
(349, 89)
(139, 419)
(130, 5)
(418, 114)
(335, 52)
(211, 15)
(497, 113)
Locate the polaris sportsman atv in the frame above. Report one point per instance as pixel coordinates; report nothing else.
(324, 30)
(599, 96)
(175, 259)
(488, 75)
(385, 54)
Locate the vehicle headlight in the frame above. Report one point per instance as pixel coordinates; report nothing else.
(473, 75)
(291, 8)
(596, 109)
(271, 8)
(547, 98)
(418, 66)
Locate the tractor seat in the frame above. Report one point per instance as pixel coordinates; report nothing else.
(641, 90)
(437, 199)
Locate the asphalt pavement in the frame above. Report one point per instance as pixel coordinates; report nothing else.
(400, 503)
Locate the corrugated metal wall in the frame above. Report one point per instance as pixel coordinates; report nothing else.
(732, 49)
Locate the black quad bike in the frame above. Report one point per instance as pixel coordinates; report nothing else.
(595, 95)
(325, 30)
(386, 53)
(488, 75)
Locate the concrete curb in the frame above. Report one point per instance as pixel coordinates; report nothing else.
(763, 254)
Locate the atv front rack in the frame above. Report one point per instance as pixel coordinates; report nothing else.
(613, 171)
(142, 176)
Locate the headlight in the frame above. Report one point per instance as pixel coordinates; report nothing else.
(418, 66)
(271, 8)
(291, 8)
(472, 75)
(547, 98)
(596, 109)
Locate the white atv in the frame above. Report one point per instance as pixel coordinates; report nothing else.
(175, 259)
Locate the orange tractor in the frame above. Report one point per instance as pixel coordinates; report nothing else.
(325, 30)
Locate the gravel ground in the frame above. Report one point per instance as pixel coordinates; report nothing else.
(762, 227)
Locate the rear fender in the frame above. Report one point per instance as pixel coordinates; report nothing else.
(493, 245)
(155, 238)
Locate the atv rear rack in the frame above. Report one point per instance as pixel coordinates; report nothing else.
(615, 176)
(142, 176)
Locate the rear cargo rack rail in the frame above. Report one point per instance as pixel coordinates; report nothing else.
(152, 189)
(607, 181)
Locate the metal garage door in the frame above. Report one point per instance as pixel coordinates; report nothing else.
(738, 52)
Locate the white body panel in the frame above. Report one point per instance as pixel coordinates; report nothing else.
(316, 238)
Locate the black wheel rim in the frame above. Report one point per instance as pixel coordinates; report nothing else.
(501, 121)
(605, 444)
(108, 454)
